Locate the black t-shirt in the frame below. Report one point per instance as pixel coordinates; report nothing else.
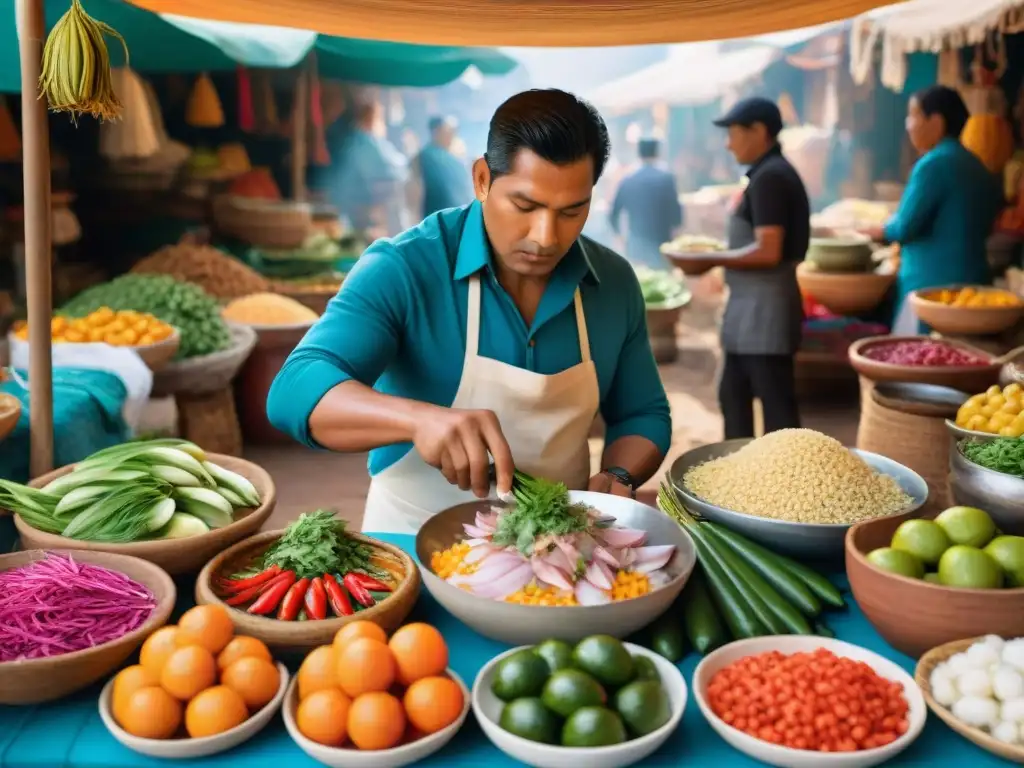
(776, 197)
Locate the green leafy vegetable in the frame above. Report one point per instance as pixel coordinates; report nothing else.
(542, 509)
(662, 289)
(36, 508)
(1003, 454)
(317, 543)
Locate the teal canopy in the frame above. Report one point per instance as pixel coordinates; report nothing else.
(162, 43)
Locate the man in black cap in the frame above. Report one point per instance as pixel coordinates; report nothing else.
(651, 203)
(769, 231)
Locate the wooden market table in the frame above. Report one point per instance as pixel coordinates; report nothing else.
(70, 733)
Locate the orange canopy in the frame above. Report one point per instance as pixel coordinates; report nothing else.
(526, 22)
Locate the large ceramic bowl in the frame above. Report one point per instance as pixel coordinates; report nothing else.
(487, 708)
(844, 293)
(786, 757)
(966, 378)
(525, 624)
(840, 254)
(799, 540)
(914, 615)
(999, 494)
(964, 321)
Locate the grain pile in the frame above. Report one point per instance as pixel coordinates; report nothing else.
(800, 476)
(268, 309)
(215, 272)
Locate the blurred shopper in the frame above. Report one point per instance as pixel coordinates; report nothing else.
(769, 231)
(948, 208)
(441, 178)
(650, 200)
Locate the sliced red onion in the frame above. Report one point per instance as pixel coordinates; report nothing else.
(487, 521)
(606, 556)
(547, 572)
(496, 565)
(597, 576)
(478, 553)
(558, 559)
(653, 557)
(588, 594)
(621, 537)
(510, 583)
(476, 532)
(570, 551)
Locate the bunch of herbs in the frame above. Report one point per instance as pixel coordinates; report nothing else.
(542, 508)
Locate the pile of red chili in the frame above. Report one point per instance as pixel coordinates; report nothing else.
(815, 701)
(294, 598)
(924, 352)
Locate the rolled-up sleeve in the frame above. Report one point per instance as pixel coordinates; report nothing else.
(636, 403)
(356, 338)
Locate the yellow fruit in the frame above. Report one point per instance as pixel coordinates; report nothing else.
(157, 649)
(318, 671)
(208, 626)
(255, 680)
(76, 336)
(988, 411)
(151, 713)
(214, 711)
(966, 413)
(188, 671)
(128, 681)
(977, 400)
(58, 324)
(978, 423)
(242, 647)
(993, 390)
(997, 401)
(1000, 420)
(1013, 390)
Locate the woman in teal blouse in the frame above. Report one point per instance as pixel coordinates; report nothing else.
(948, 208)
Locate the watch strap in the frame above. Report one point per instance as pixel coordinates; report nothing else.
(622, 475)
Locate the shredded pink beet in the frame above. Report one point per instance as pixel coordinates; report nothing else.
(57, 605)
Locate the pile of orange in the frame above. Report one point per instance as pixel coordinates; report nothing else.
(120, 329)
(198, 676)
(371, 692)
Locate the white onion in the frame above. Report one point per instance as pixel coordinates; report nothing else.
(975, 682)
(958, 663)
(1007, 683)
(1013, 654)
(976, 711)
(981, 655)
(1006, 732)
(1013, 710)
(944, 691)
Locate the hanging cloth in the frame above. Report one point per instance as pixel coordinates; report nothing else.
(10, 140)
(318, 153)
(204, 109)
(246, 114)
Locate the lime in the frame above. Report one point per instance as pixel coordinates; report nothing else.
(1008, 551)
(646, 669)
(530, 719)
(557, 653)
(924, 539)
(969, 526)
(569, 689)
(969, 567)
(606, 659)
(644, 706)
(521, 674)
(897, 561)
(593, 727)
(932, 578)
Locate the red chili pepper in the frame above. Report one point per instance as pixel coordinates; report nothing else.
(269, 600)
(293, 600)
(237, 585)
(372, 584)
(253, 592)
(340, 603)
(359, 592)
(316, 599)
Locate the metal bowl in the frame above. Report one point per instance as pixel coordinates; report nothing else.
(999, 494)
(526, 625)
(815, 541)
(958, 432)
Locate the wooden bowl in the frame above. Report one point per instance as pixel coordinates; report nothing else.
(844, 294)
(10, 412)
(303, 636)
(966, 378)
(176, 556)
(922, 676)
(965, 321)
(32, 681)
(157, 355)
(914, 615)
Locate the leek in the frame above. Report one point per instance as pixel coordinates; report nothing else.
(124, 515)
(33, 506)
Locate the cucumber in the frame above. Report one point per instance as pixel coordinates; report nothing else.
(768, 564)
(731, 604)
(791, 620)
(750, 596)
(823, 629)
(703, 624)
(668, 639)
(815, 582)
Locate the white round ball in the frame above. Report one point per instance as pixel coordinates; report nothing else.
(1006, 732)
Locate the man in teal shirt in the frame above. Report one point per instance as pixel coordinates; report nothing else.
(444, 180)
(491, 333)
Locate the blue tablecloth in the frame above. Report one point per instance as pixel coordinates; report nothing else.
(70, 733)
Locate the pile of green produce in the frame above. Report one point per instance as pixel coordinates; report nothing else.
(740, 590)
(595, 694)
(153, 489)
(187, 307)
(1003, 454)
(959, 548)
(662, 289)
(317, 256)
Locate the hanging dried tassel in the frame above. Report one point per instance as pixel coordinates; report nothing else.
(204, 109)
(10, 140)
(246, 113)
(320, 154)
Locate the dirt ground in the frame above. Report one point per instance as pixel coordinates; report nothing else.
(307, 480)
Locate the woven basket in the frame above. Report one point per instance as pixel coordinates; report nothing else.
(211, 420)
(918, 442)
(922, 676)
(207, 373)
(10, 412)
(268, 224)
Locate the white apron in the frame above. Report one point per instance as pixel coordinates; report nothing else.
(545, 419)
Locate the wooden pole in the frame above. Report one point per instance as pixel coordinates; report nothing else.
(300, 121)
(35, 137)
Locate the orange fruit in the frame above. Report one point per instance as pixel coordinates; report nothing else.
(188, 671)
(318, 671)
(255, 680)
(151, 713)
(208, 626)
(419, 651)
(358, 629)
(127, 682)
(365, 665)
(214, 711)
(243, 647)
(323, 717)
(376, 721)
(157, 649)
(433, 703)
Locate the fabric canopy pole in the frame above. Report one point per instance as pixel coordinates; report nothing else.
(527, 22)
(36, 173)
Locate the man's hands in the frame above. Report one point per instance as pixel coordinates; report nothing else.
(461, 443)
(602, 482)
